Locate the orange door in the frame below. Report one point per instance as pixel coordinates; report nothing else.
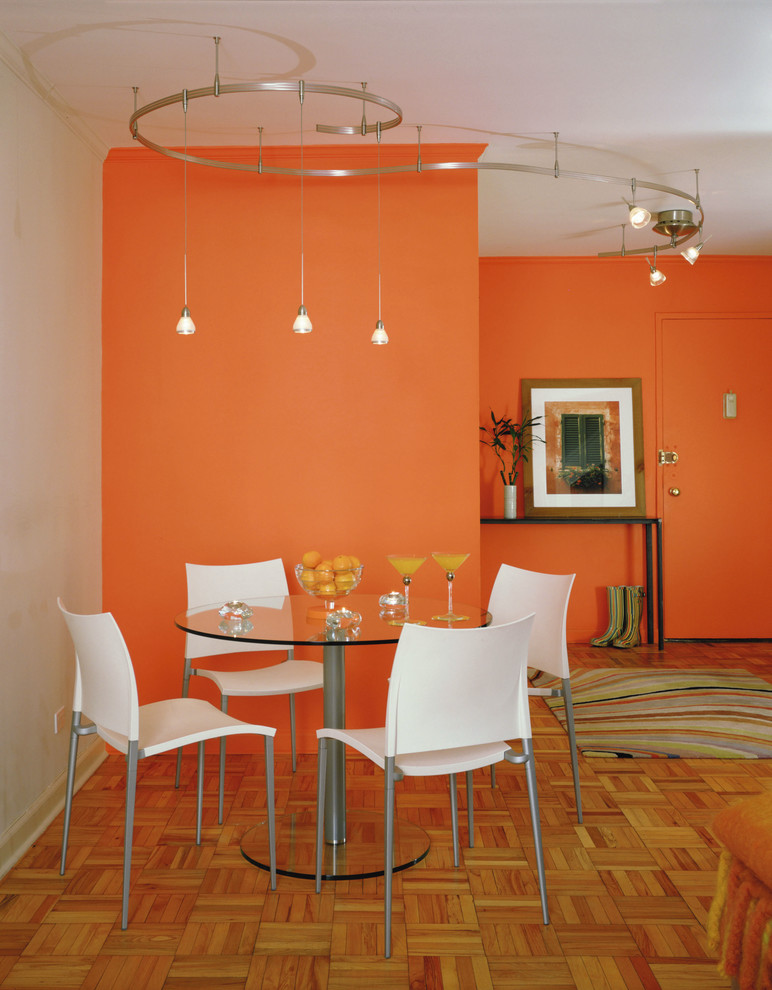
(716, 498)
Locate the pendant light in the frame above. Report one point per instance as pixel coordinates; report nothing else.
(185, 324)
(302, 322)
(379, 334)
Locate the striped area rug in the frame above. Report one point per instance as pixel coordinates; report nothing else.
(667, 714)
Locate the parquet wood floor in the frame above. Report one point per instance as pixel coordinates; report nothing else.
(629, 890)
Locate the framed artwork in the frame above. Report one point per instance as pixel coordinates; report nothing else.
(588, 456)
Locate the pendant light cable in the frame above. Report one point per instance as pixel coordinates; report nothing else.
(302, 323)
(379, 334)
(379, 219)
(185, 324)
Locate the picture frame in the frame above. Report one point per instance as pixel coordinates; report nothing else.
(587, 459)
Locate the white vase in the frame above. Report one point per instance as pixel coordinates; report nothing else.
(510, 502)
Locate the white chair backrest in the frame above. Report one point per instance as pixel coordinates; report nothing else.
(215, 584)
(106, 689)
(517, 592)
(458, 687)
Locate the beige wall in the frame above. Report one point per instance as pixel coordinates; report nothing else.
(50, 440)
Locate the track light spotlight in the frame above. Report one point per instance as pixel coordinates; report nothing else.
(655, 277)
(639, 215)
(692, 253)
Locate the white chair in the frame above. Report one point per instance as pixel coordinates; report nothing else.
(516, 592)
(106, 694)
(454, 695)
(214, 585)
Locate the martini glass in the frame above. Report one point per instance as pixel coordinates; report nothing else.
(406, 565)
(450, 563)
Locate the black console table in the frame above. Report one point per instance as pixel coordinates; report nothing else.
(650, 525)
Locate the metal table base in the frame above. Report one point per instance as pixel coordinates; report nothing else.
(359, 857)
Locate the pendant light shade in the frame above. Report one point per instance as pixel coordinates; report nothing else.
(185, 324)
(379, 334)
(302, 323)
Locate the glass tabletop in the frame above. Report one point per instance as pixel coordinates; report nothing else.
(294, 620)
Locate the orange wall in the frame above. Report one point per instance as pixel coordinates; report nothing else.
(247, 441)
(590, 318)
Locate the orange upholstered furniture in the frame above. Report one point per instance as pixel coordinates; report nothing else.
(740, 920)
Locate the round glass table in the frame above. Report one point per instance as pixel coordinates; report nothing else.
(353, 841)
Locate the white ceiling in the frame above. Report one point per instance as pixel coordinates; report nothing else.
(651, 89)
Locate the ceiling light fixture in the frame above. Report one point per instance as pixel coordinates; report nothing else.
(692, 253)
(678, 225)
(379, 334)
(639, 215)
(302, 322)
(655, 277)
(185, 324)
(674, 224)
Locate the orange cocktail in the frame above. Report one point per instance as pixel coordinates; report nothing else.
(450, 563)
(406, 564)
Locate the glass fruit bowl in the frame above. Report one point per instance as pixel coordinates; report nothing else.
(328, 584)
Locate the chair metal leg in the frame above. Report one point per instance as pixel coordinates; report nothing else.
(199, 792)
(533, 801)
(493, 775)
(71, 761)
(454, 816)
(131, 790)
(270, 802)
(221, 796)
(185, 688)
(292, 733)
(388, 850)
(470, 807)
(569, 708)
(321, 776)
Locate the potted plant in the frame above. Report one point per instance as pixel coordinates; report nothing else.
(511, 442)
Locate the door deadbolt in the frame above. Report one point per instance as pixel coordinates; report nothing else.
(674, 491)
(668, 457)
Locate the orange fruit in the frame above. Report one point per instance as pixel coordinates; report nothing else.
(324, 565)
(341, 562)
(310, 558)
(324, 576)
(344, 579)
(354, 560)
(327, 589)
(308, 578)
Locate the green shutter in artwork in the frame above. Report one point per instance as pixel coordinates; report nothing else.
(582, 439)
(593, 439)
(571, 453)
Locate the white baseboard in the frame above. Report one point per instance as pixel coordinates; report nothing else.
(16, 840)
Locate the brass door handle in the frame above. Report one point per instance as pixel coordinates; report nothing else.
(674, 491)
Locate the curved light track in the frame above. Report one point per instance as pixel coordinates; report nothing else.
(554, 172)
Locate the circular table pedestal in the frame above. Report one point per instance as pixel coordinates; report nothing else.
(359, 857)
